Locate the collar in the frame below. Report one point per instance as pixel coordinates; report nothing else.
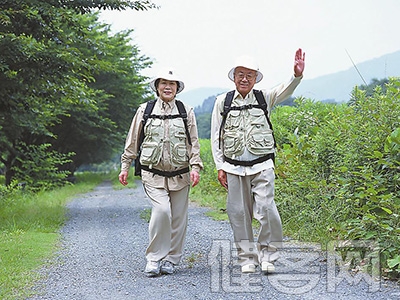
(163, 104)
(238, 95)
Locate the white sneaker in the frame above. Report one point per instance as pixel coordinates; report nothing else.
(152, 268)
(267, 267)
(167, 267)
(249, 268)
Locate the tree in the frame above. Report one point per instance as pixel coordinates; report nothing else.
(42, 73)
(94, 132)
(370, 88)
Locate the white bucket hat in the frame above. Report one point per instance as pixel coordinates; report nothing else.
(246, 62)
(167, 74)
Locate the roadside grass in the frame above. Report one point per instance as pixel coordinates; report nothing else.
(145, 214)
(29, 233)
(113, 177)
(209, 193)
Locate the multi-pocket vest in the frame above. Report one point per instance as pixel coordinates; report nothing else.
(153, 140)
(247, 127)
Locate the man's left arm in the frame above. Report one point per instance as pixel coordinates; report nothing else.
(283, 91)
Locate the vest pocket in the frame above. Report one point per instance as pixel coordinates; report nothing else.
(232, 145)
(179, 156)
(233, 120)
(261, 143)
(151, 154)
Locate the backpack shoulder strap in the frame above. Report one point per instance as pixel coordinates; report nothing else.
(261, 100)
(181, 109)
(263, 104)
(224, 113)
(227, 103)
(147, 111)
(183, 114)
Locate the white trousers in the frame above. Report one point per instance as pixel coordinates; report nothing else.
(168, 223)
(253, 196)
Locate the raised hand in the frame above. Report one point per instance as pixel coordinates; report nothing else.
(299, 62)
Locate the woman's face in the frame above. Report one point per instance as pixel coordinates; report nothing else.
(167, 89)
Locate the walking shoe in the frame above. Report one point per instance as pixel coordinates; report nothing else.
(250, 268)
(267, 267)
(152, 268)
(167, 267)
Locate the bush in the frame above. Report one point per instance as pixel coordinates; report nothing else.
(338, 170)
(39, 168)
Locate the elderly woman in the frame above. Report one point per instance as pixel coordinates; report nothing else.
(169, 155)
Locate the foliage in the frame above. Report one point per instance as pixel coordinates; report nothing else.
(93, 132)
(65, 81)
(370, 88)
(338, 169)
(38, 168)
(209, 192)
(204, 125)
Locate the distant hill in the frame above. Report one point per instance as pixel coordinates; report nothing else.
(197, 96)
(338, 86)
(333, 87)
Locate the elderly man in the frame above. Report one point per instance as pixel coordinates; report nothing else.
(170, 161)
(243, 148)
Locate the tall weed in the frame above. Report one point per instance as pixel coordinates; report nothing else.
(338, 170)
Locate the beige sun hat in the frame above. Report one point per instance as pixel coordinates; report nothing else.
(246, 62)
(167, 74)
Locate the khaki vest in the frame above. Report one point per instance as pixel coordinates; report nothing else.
(249, 129)
(155, 140)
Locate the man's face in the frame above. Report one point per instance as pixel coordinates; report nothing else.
(167, 89)
(244, 80)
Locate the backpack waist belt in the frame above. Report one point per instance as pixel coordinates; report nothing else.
(251, 162)
(166, 173)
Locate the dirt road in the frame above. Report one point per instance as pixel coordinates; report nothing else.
(102, 257)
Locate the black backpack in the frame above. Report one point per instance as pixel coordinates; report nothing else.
(148, 114)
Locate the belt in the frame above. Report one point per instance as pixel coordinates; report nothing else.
(166, 173)
(251, 162)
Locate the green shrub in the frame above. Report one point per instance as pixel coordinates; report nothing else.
(338, 170)
(209, 192)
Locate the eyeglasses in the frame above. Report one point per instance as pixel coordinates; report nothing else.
(248, 76)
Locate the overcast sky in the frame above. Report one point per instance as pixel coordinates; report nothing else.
(202, 38)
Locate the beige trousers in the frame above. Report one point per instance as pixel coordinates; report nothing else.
(253, 196)
(168, 223)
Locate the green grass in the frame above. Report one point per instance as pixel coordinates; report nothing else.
(145, 214)
(113, 177)
(29, 233)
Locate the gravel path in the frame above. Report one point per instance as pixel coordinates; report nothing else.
(102, 257)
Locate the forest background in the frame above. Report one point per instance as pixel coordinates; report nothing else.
(69, 88)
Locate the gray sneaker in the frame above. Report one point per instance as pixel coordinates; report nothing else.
(167, 267)
(152, 268)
